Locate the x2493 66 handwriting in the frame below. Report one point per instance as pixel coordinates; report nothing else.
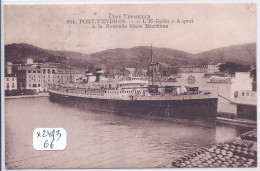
(49, 139)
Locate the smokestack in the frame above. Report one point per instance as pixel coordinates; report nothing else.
(88, 74)
(99, 71)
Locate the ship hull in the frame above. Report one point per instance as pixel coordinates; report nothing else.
(195, 109)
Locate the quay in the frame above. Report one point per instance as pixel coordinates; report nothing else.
(238, 152)
(28, 96)
(237, 121)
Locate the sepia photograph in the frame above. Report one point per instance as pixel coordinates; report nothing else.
(154, 85)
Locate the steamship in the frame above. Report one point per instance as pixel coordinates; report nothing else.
(138, 96)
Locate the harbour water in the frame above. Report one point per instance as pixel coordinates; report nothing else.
(99, 139)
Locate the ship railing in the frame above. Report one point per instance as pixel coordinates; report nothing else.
(174, 93)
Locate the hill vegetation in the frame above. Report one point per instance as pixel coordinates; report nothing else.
(113, 59)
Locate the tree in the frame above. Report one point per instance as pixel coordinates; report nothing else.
(231, 68)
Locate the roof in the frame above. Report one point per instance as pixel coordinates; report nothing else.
(217, 79)
(33, 68)
(130, 69)
(164, 64)
(48, 65)
(10, 75)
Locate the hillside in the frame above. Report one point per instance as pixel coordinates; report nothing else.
(140, 55)
(243, 54)
(20, 52)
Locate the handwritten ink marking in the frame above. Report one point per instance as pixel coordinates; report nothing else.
(49, 139)
(38, 134)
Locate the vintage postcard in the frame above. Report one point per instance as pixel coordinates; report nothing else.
(154, 85)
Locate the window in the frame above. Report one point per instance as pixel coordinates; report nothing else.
(12, 79)
(29, 85)
(39, 85)
(7, 79)
(39, 71)
(13, 85)
(43, 71)
(29, 71)
(53, 71)
(243, 94)
(7, 85)
(247, 93)
(34, 71)
(49, 71)
(34, 85)
(235, 94)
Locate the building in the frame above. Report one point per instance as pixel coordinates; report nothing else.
(213, 68)
(48, 74)
(29, 61)
(246, 104)
(209, 68)
(127, 71)
(29, 77)
(8, 68)
(133, 71)
(64, 76)
(192, 68)
(229, 89)
(184, 80)
(36, 77)
(10, 82)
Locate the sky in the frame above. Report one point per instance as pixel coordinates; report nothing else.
(214, 25)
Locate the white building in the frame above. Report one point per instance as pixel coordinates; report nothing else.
(8, 67)
(212, 68)
(33, 79)
(187, 79)
(29, 61)
(48, 73)
(228, 89)
(10, 82)
(36, 77)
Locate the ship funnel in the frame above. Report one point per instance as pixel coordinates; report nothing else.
(88, 74)
(99, 71)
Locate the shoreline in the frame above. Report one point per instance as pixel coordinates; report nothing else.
(28, 96)
(210, 123)
(237, 122)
